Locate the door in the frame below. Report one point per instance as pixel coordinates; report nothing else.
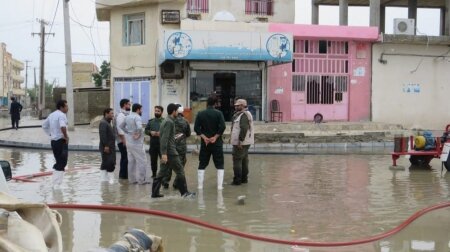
(137, 92)
(323, 94)
(225, 89)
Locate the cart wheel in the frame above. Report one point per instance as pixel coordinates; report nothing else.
(420, 160)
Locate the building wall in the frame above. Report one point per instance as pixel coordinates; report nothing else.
(142, 60)
(412, 87)
(82, 74)
(360, 81)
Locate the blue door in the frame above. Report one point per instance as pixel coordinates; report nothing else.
(137, 92)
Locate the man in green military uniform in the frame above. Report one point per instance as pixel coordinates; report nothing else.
(182, 131)
(210, 125)
(169, 156)
(152, 129)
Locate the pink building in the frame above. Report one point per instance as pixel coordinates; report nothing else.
(330, 73)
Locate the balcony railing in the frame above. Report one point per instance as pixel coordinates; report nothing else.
(259, 7)
(197, 6)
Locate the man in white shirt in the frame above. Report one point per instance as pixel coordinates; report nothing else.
(125, 106)
(134, 135)
(56, 127)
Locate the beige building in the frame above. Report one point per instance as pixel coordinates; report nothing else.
(181, 51)
(410, 83)
(10, 76)
(82, 74)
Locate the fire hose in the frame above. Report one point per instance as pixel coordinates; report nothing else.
(200, 223)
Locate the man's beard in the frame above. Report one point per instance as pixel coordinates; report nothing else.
(157, 115)
(127, 109)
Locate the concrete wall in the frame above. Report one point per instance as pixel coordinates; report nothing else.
(82, 74)
(88, 103)
(409, 88)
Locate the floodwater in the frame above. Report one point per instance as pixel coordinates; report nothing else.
(320, 198)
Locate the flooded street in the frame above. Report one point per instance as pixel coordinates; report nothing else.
(293, 197)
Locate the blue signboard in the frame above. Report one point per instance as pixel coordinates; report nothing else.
(212, 45)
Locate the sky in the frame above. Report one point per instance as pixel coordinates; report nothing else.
(90, 38)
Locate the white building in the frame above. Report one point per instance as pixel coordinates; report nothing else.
(10, 77)
(182, 51)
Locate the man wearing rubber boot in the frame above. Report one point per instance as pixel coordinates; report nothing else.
(152, 129)
(210, 125)
(169, 156)
(241, 139)
(182, 131)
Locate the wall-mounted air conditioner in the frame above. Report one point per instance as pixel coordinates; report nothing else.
(194, 16)
(404, 26)
(172, 70)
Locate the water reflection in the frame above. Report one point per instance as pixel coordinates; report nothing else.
(295, 197)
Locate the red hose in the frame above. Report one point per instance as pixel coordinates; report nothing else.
(247, 235)
(27, 178)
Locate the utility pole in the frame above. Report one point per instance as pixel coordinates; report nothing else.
(26, 82)
(68, 52)
(35, 87)
(41, 99)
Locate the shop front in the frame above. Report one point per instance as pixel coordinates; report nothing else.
(230, 65)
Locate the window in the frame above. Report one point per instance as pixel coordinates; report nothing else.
(133, 29)
(259, 7)
(197, 6)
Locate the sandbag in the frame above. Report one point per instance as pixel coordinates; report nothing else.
(31, 226)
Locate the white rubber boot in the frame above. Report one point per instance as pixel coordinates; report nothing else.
(103, 176)
(57, 179)
(111, 177)
(220, 179)
(200, 178)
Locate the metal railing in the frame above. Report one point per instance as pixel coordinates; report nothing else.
(197, 6)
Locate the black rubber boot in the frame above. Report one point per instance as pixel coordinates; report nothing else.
(155, 188)
(182, 187)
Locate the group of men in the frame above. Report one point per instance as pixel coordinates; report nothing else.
(167, 142)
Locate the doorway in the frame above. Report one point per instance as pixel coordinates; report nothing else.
(225, 89)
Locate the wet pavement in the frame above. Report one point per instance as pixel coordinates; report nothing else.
(294, 197)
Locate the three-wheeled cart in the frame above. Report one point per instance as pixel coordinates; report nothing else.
(423, 157)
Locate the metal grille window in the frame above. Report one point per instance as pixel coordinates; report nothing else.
(259, 7)
(321, 89)
(197, 6)
(133, 29)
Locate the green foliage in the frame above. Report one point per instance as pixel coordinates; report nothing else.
(33, 92)
(104, 74)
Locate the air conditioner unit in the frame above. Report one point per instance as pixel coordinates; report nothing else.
(404, 26)
(172, 70)
(194, 16)
(262, 19)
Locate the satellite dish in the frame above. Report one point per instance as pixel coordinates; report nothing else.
(224, 16)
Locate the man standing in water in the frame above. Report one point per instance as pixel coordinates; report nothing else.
(107, 146)
(170, 159)
(56, 127)
(241, 138)
(152, 129)
(210, 125)
(137, 160)
(125, 106)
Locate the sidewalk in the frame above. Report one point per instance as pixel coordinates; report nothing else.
(269, 137)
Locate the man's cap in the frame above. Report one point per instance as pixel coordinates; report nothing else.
(180, 109)
(241, 102)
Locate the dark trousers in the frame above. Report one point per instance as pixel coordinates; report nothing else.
(173, 163)
(61, 153)
(154, 152)
(216, 150)
(108, 160)
(183, 161)
(123, 172)
(240, 164)
(15, 122)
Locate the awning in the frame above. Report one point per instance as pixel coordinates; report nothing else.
(239, 46)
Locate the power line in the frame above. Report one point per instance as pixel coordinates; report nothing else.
(81, 54)
(53, 21)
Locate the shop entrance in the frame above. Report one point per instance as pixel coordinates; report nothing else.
(225, 89)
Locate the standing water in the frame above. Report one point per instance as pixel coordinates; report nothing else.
(323, 198)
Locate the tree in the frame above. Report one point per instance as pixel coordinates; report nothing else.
(33, 92)
(104, 74)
